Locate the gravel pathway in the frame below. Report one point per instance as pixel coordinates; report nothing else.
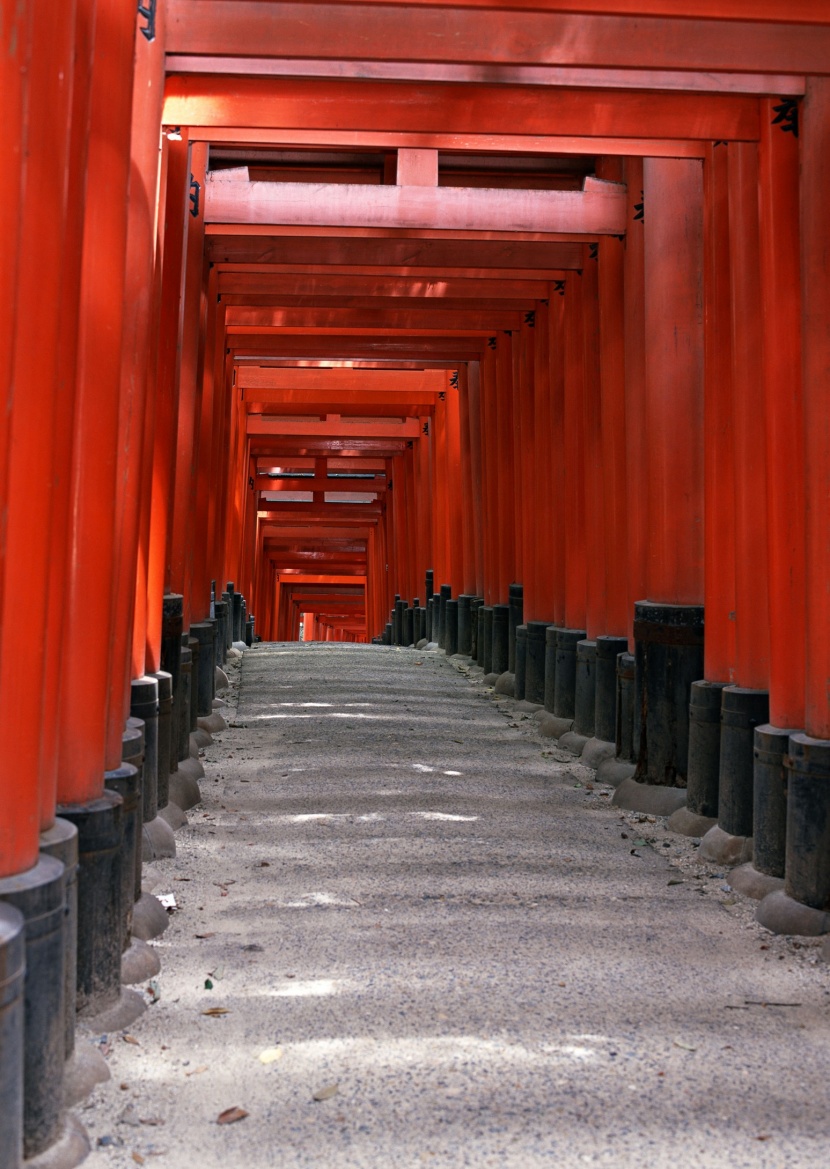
(397, 897)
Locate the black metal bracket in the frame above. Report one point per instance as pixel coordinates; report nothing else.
(409, 444)
(593, 251)
(441, 396)
(530, 319)
(251, 482)
(425, 430)
(195, 191)
(640, 209)
(454, 380)
(559, 286)
(787, 115)
(720, 142)
(148, 12)
(491, 342)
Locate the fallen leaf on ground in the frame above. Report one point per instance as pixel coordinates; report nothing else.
(270, 1055)
(674, 882)
(131, 1039)
(685, 1046)
(198, 1071)
(151, 1120)
(204, 935)
(231, 1115)
(216, 1011)
(137, 1157)
(208, 984)
(326, 1093)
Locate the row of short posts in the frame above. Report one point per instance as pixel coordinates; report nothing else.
(67, 925)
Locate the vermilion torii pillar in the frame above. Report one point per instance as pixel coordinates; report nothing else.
(668, 627)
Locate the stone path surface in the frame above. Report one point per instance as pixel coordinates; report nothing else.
(412, 906)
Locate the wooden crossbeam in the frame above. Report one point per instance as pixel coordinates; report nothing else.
(465, 34)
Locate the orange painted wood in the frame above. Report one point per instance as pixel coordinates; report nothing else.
(505, 514)
(780, 285)
(673, 257)
(37, 71)
(801, 11)
(394, 33)
(270, 425)
(751, 561)
(635, 395)
(338, 284)
(165, 391)
(421, 384)
(540, 607)
(573, 518)
(91, 577)
(815, 270)
(558, 522)
(411, 107)
(182, 529)
(611, 294)
(720, 546)
(133, 490)
(596, 210)
(63, 403)
(593, 465)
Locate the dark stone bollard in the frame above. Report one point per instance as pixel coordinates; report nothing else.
(193, 689)
(249, 631)
(182, 745)
(807, 875)
(227, 597)
(220, 610)
(626, 693)
(519, 682)
(204, 632)
(551, 635)
(501, 638)
(237, 617)
(436, 616)
(429, 583)
(443, 597)
(451, 628)
(408, 626)
(487, 638)
(769, 845)
(585, 688)
(669, 658)
(100, 936)
(171, 662)
(428, 625)
(133, 751)
(123, 781)
(535, 661)
(742, 710)
(703, 777)
(61, 842)
(515, 600)
(387, 634)
(165, 736)
(605, 717)
(12, 976)
(144, 705)
(465, 629)
(564, 699)
(475, 606)
(39, 894)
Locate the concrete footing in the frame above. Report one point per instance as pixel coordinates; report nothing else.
(722, 848)
(615, 771)
(782, 914)
(184, 787)
(83, 1071)
(505, 684)
(138, 963)
(222, 682)
(597, 751)
(149, 918)
(70, 1149)
(212, 723)
(551, 726)
(173, 815)
(653, 798)
(157, 840)
(688, 823)
(201, 737)
(128, 1007)
(573, 741)
(747, 880)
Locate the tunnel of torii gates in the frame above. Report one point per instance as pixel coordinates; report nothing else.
(504, 326)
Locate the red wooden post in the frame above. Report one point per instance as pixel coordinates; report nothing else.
(592, 464)
(785, 512)
(719, 449)
(91, 578)
(815, 270)
(573, 433)
(674, 378)
(635, 392)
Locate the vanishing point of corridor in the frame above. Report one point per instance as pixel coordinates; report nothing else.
(410, 931)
